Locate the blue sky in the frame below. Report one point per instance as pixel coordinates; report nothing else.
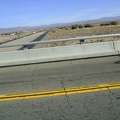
(15, 13)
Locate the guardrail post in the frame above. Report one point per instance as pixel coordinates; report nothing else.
(82, 41)
(25, 47)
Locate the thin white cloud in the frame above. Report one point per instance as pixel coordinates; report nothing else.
(32, 19)
(95, 13)
(113, 12)
(73, 17)
(82, 13)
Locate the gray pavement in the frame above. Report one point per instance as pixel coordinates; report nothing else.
(89, 106)
(103, 105)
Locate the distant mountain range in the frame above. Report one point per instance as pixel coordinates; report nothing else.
(17, 29)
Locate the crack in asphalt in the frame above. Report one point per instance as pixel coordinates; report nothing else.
(33, 75)
(111, 102)
(113, 93)
(63, 86)
(71, 62)
(35, 70)
(69, 105)
(32, 86)
(46, 113)
(86, 108)
(91, 100)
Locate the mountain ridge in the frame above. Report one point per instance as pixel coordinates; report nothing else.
(17, 29)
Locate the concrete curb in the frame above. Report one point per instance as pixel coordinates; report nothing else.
(59, 53)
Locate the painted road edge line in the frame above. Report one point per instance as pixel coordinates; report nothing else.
(68, 91)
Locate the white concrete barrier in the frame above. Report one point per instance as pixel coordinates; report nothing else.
(117, 46)
(57, 53)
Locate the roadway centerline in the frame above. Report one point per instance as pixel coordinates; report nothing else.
(68, 91)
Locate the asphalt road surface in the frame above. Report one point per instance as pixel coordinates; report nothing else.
(26, 85)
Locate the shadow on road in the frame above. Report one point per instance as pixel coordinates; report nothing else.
(37, 39)
(117, 62)
(13, 82)
(118, 98)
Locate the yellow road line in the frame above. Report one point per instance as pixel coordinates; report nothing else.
(60, 92)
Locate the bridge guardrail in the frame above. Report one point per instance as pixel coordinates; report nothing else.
(81, 39)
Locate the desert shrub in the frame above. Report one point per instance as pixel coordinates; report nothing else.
(105, 24)
(102, 24)
(53, 31)
(75, 26)
(80, 26)
(88, 25)
(109, 23)
(113, 23)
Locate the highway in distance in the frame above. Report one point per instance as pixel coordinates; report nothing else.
(86, 89)
(21, 40)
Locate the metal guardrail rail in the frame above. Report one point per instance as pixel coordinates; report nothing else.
(60, 40)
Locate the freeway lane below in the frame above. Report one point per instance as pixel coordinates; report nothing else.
(102, 105)
(21, 40)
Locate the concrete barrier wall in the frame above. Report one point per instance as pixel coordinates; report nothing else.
(57, 53)
(117, 46)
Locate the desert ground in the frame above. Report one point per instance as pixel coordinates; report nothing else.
(67, 32)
